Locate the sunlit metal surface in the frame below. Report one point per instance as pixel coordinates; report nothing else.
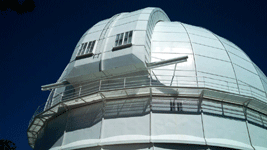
(139, 97)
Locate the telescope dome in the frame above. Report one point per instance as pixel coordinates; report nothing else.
(140, 81)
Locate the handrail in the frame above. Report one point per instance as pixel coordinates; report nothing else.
(185, 81)
(82, 89)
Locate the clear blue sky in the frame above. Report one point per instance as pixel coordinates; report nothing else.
(36, 46)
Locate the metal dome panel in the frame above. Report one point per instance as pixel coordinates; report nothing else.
(139, 81)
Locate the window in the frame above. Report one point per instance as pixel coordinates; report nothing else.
(119, 39)
(90, 47)
(179, 106)
(86, 49)
(123, 39)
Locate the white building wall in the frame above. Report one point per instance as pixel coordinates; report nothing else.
(213, 62)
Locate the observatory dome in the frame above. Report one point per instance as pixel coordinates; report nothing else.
(210, 57)
(140, 81)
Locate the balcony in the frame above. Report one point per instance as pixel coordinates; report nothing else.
(146, 86)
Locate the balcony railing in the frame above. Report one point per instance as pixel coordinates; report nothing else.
(84, 89)
(216, 89)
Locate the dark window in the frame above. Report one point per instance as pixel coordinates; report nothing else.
(86, 48)
(124, 38)
(172, 106)
(117, 40)
(130, 37)
(92, 47)
(83, 48)
(177, 108)
(80, 51)
(120, 39)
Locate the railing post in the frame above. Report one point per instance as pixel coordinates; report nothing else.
(100, 81)
(124, 82)
(150, 80)
(61, 97)
(197, 81)
(80, 91)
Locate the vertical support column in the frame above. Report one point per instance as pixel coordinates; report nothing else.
(124, 82)
(150, 114)
(103, 115)
(245, 106)
(200, 101)
(62, 94)
(80, 90)
(261, 119)
(201, 114)
(102, 125)
(150, 82)
(222, 108)
(100, 81)
(173, 74)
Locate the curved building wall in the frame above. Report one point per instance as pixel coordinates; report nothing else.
(141, 22)
(214, 100)
(143, 120)
(106, 62)
(212, 61)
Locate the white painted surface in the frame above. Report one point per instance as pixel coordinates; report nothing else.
(213, 62)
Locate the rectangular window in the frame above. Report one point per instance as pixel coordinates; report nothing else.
(120, 39)
(92, 47)
(130, 37)
(123, 38)
(83, 49)
(86, 48)
(80, 50)
(117, 40)
(126, 38)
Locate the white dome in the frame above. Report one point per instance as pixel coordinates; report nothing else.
(109, 96)
(213, 60)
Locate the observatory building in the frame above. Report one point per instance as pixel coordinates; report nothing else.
(142, 82)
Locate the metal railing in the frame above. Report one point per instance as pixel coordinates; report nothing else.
(86, 88)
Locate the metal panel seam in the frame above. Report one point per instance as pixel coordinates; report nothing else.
(229, 59)
(192, 52)
(201, 114)
(100, 45)
(245, 114)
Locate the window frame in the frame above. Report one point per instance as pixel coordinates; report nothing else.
(123, 40)
(86, 49)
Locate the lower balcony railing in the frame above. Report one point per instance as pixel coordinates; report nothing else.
(178, 86)
(82, 89)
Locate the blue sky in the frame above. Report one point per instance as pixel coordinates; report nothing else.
(36, 46)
